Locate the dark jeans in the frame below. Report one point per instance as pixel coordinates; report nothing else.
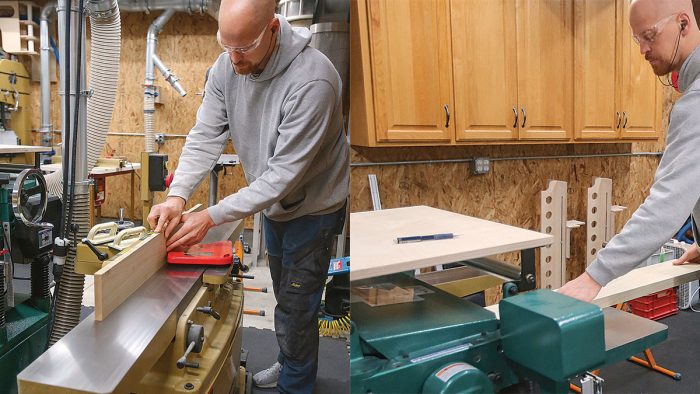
(299, 253)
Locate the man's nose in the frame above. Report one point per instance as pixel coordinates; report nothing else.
(644, 47)
(235, 56)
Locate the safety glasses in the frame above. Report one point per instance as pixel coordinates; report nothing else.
(649, 35)
(244, 49)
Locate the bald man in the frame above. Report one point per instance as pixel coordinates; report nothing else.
(279, 101)
(668, 38)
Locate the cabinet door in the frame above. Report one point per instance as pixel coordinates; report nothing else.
(640, 89)
(484, 63)
(597, 113)
(411, 70)
(545, 80)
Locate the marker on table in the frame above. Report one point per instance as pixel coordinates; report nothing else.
(420, 238)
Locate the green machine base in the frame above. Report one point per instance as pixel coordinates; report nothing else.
(24, 339)
(439, 343)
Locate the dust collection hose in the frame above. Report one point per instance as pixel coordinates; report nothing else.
(105, 24)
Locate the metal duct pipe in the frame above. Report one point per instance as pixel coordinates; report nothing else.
(210, 7)
(149, 88)
(46, 127)
(168, 75)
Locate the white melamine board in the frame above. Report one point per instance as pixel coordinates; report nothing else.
(640, 282)
(374, 252)
(23, 149)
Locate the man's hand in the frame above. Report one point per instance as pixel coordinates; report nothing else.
(583, 288)
(692, 256)
(166, 215)
(194, 227)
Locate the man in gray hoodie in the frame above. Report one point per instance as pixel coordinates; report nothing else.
(279, 101)
(668, 37)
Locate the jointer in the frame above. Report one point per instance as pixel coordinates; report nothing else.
(179, 331)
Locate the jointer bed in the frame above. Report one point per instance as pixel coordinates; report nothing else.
(140, 346)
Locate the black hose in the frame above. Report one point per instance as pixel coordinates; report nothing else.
(76, 112)
(66, 119)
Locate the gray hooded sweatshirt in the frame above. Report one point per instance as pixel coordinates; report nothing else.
(675, 193)
(286, 125)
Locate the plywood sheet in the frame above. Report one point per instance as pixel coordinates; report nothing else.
(374, 252)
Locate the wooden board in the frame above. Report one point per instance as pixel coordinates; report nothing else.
(127, 271)
(23, 149)
(641, 282)
(374, 252)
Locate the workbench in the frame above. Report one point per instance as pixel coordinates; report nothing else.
(104, 172)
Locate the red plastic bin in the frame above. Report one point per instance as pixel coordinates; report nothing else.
(656, 306)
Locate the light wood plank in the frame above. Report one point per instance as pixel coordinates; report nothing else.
(127, 271)
(641, 282)
(374, 252)
(553, 221)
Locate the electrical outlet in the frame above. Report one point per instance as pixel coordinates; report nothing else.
(481, 165)
(160, 139)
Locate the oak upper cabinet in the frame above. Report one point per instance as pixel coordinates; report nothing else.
(411, 70)
(597, 69)
(512, 69)
(545, 79)
(641, 92)
(484, 63)
(616, 93)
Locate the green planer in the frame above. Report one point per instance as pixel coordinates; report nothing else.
(435, 342)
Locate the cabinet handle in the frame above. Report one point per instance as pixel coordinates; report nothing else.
(515, 122)
(624, 114)
(524, 117)
(447, 115)
(619, 119)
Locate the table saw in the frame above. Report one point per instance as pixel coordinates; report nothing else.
(410, 336)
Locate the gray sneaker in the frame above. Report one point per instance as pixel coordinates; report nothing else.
(267, 378)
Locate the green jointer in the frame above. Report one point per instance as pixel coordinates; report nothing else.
(439, 343)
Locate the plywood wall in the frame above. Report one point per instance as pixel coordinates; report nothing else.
(188, 46)
(510, 192)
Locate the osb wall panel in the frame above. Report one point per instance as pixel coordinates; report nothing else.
(187, 45)
(510, 192)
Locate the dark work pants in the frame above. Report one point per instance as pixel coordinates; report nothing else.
(299, 253)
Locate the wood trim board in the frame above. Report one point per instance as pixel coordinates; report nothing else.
(127, 271)
(374, 252)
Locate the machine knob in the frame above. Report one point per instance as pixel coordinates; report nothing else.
(100, 255)
(209, 311)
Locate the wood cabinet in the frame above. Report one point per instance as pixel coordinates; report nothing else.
(641, 91)
(412, 82)
(485, 79)
(452, 72)
(617, 95)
